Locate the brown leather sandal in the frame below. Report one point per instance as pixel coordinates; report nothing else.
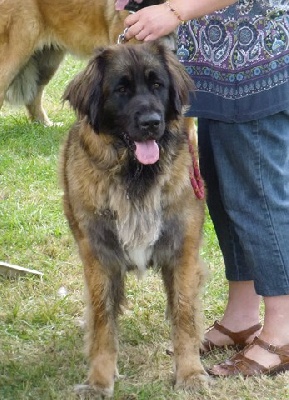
(239, 364)
(239, 338)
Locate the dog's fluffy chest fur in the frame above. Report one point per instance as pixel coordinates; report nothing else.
(136, 223)
(138, 226)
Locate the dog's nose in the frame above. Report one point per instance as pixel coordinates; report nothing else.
(149, 122)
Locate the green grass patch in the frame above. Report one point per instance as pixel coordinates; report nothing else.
(41, 339)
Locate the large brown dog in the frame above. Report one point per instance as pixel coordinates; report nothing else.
(36, 34)
(129, 200)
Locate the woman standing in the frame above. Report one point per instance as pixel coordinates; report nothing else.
(237, 52)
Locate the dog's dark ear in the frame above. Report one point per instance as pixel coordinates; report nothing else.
(181, 83)
(84, 92)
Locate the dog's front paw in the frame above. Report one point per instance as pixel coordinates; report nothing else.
(87, 391)
(195, 381)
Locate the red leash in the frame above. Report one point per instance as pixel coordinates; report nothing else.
(195, 174)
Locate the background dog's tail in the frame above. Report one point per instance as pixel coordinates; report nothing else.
(23, 88)
(37, 72)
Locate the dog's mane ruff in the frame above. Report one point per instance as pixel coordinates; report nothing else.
(100, 149)
(138, 213)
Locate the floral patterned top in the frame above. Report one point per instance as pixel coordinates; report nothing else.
(239, 60)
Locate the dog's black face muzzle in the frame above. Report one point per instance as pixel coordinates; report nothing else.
(133, 6)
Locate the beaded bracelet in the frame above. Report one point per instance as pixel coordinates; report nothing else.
(175, 12)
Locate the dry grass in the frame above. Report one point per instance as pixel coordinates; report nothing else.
(40, 334)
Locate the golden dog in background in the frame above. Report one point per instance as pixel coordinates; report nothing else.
(36, 34)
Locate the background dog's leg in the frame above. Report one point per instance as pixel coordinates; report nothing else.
(35, 109)
(104, 290)
(183, 283)
(1, 100)
(47, 60)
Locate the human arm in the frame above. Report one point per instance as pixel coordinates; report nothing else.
(151, 23)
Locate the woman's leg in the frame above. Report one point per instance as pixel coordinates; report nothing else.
(275, 330)
(246, 168)
(242, 310)
(252, 164)
(275, 333)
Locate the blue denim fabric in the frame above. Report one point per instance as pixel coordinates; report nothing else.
(246, 170)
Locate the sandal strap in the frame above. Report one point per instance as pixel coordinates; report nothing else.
(237, 337)
(281, 351)
(244, 365)
(240, 364)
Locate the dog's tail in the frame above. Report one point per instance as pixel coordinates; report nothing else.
(23, 88)
(38, 71)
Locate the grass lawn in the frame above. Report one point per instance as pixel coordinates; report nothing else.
(41, 339)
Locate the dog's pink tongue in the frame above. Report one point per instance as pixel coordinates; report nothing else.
(147, 152)
(120, 4)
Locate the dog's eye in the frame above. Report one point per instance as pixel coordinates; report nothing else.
(156, 85)
(121, 89)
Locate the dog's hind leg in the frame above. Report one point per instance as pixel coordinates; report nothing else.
(35, 109)
(104, 289)
(28, 85)
(47, 60)
(1, 100)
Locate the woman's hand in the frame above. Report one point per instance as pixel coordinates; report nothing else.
(151, 23)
